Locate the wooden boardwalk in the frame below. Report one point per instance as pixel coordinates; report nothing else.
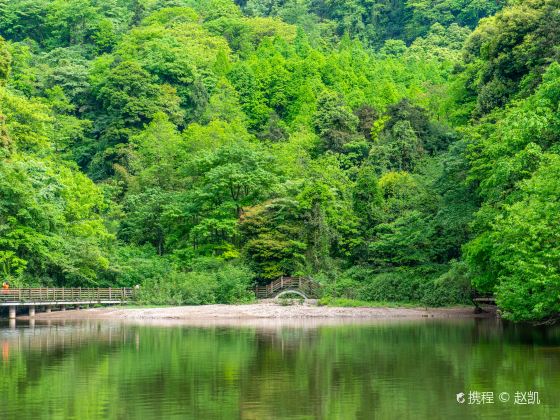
(61, 297)
(303, 286)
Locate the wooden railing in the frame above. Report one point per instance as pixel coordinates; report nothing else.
(47, 294)
(309, 287)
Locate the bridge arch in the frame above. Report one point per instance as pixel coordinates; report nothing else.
(291, 292)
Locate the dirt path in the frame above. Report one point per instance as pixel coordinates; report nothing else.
(265, 310)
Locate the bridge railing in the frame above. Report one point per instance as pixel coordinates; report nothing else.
(301, 283)
(47, 294)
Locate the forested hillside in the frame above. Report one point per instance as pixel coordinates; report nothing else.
(404, 150)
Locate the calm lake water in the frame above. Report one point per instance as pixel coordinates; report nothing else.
(384, 370)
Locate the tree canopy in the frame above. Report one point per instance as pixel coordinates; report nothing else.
(393, 150)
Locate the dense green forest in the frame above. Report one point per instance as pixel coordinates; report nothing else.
(395, 150)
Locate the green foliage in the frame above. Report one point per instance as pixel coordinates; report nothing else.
(5, 60)
(274, 235)
(375, 21)
(445, 12)
(404, 139)
(429, 285)
(50, 224)
(334, 122)
(134, 265)
(508, 53)
(179, 289)
(508, 154)
(526, 245)
(226, 284)
(353, 303)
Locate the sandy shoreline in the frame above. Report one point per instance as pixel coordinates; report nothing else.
(265, 310)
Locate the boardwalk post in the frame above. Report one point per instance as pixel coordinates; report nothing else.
(12, 312)
(48, 309)
(31, 311)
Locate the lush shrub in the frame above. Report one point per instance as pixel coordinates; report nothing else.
(137, 265)
(353, 303)
(209, 282)
(452, 287)
(234, 284)
(179, 289)
(432, 285)
(347, 283)
(394, 286)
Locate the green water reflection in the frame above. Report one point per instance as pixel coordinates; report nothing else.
(389, 370)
